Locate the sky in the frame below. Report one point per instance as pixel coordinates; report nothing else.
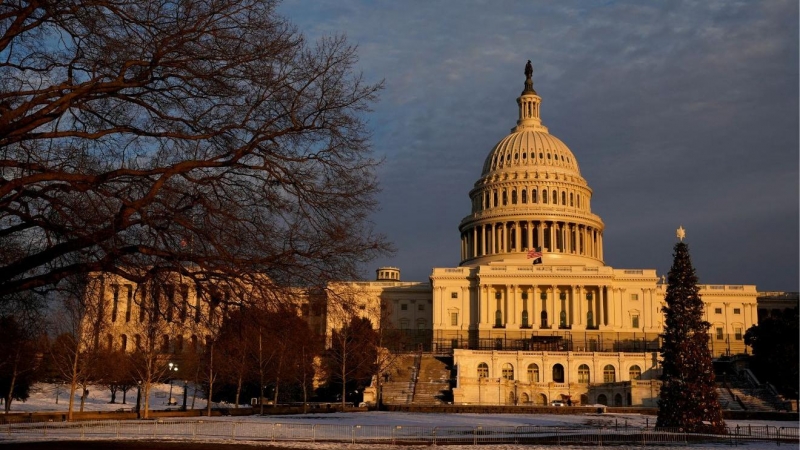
(678, 112)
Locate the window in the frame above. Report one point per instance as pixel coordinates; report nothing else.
(534, 198)
(737, 311)
(558, 373)
(421, 324)
(483, 370)
(524, 318)
(571, 199)
(165, 343)
(403, 307)
(583, 374)
(563, 198)
(454, 319)
(635, 297)
(508, 371)
(454, 295)
(513, 197)
(737, 334)
(555, 197)
(635, 373)
(544, 195)
(115, 305)
(421, 307)
(505, 198)
(717, 310)
(524, 196)
(719, 333)
(403, 324)
(123, 342)
(635, 321)
(533, 373)
(129, 303)
(609, 375)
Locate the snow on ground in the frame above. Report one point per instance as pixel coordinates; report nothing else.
(43, 398)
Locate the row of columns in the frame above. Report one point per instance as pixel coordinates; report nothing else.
(518, 236)
(575, 306)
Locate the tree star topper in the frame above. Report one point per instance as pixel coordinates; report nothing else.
(681, 233)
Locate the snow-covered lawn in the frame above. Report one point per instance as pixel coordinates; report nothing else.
(43, 398)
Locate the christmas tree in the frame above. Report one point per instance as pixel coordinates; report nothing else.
(688, 397)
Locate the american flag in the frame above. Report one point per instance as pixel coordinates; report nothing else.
(535, 253)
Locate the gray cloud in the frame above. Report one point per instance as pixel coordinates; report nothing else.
(678, 112)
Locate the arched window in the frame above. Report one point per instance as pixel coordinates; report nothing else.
(635, 372)
(558, 373)
(494, 194)
(194, 343)
(483, 370)
(555, 197)
(508, 371)
(609, 375)
(563, 198)
(524, 196)
(618, 400)
(579, 200)
(571, 200)
(544, 195)
(583, 374)
(541, 399)
(533, 373)
(123, 342)
(505, 198)
(524, 398)
(137, 341)
(178, 344)
(534, 198)
(486, 201)
(514, 197)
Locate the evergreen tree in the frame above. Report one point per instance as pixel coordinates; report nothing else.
(688, 397)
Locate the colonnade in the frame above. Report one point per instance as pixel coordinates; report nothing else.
(519, 236)
(575, 307)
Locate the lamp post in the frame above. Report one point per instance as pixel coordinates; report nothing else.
(185, 388)
(172, 368)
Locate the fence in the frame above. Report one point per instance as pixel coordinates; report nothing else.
(387, 434)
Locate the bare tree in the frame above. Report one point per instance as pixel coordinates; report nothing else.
(78, 323)
(204, 138)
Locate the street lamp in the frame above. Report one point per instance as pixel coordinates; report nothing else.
(172, 368)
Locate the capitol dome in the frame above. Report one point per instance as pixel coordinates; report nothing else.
(531, 195)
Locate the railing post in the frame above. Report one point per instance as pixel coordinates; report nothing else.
(353, 435)
(314, 433)
(233, 430)
(117, 429)
(82, 432)
(434, 435)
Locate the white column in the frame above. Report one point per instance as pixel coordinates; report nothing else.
(530, 233)
(518, 237)
(533, 314)
(512, 310)
(579, 299)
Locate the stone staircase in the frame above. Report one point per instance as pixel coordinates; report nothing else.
(433, 382)
(398, 388)
(726, 399)
(754, 399)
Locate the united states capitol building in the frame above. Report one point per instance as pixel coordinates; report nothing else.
(502, 329)
(569, 328)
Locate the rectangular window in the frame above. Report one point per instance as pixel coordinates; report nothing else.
(737, 311)
(403, 307)
(635, 321)
(719, 333)
(717, 310)
(454, 295)
(738, 333)
(421, 307)
(634, 297)
(454, 319)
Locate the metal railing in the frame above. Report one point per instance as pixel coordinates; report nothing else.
(388, 434)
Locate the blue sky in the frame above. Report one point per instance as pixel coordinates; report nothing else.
(679, 113)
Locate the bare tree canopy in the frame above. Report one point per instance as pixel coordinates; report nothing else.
(201, 137)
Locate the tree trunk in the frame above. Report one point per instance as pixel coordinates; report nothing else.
(113, 389)
(210, 377)
(125, 396)
(238, 390)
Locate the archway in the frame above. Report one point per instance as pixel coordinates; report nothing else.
(524, 398)
(541, 399)
(558, 373)
(601, 399)
(618, 400)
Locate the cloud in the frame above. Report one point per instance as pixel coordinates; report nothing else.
(677, 111)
